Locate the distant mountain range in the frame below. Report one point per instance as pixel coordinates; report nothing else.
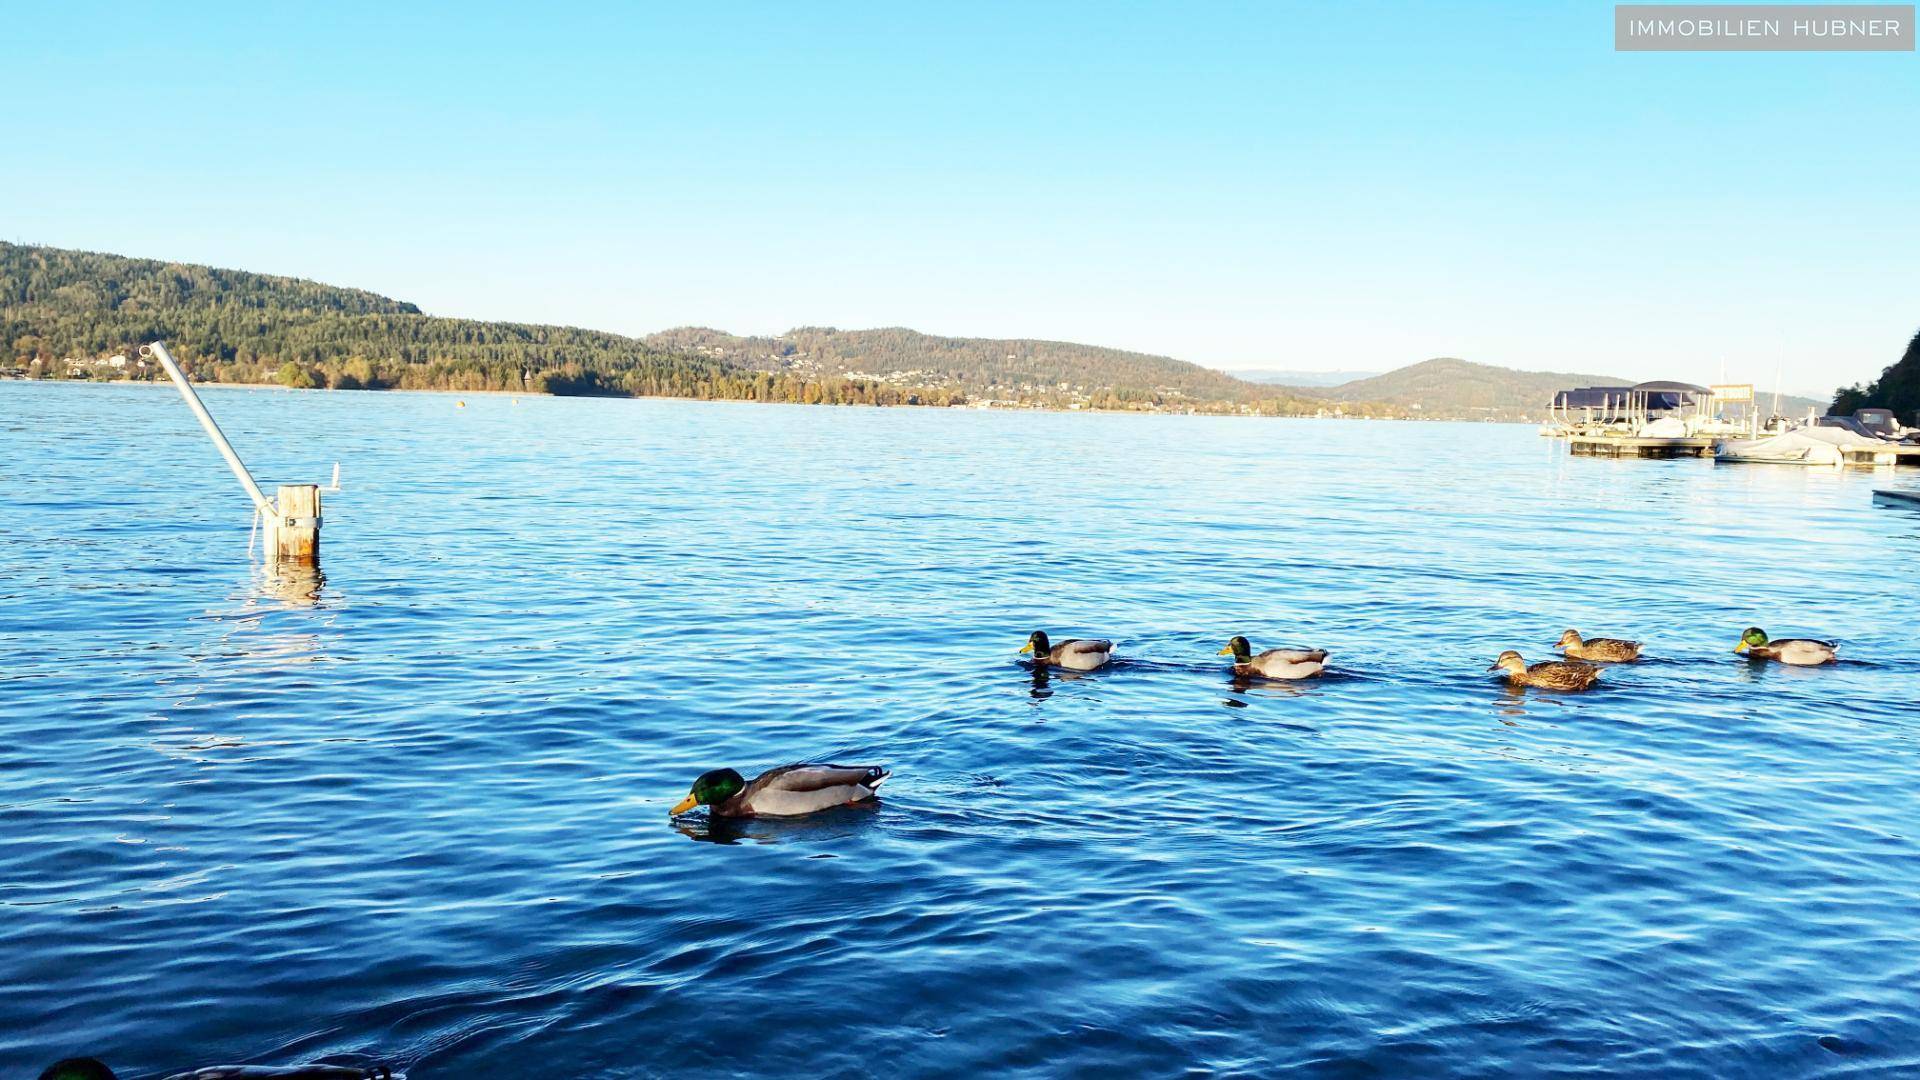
(76, 314)
(1450, 388)
(1282, 377)
(1004, 371)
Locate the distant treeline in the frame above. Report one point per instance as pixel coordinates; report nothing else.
(1057, 373)
(1897, 388)
(67, 311)
(66, 314)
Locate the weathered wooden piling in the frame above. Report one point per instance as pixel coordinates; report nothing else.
(296, 528)
(292, 522)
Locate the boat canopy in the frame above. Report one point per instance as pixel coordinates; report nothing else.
(1656, 396)
(1591, 397)
(1658, 387)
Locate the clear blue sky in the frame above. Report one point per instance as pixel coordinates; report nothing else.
(1258, 185)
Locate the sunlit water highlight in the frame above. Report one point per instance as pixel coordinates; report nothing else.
(421, 816)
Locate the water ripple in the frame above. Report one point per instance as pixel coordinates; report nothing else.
(415, 810)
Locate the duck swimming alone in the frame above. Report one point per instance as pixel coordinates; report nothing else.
(1611, 650)
(1800, 652)
(1073, 654)
(788, 791)
(93, 1069)
(1274, 663)
(1547, 674)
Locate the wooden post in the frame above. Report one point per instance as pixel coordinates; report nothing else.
(295, 536)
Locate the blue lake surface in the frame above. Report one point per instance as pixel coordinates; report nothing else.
(421, 816)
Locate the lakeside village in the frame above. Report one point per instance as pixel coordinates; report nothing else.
(1656, 419)
(1045, 397)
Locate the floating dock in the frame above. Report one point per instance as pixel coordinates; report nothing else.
(1639, 446)
(1891, 454)
(1702, 446)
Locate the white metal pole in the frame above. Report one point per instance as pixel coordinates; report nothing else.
(158, 350)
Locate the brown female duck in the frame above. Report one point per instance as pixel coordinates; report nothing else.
(1547, 674)
(1605, 649)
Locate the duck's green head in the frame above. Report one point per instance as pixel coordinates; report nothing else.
(1754, 638)
(1037, 644)
(714, 786)
(1240, 647)
(77, 1069)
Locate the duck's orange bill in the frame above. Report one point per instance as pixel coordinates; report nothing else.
(1224, 651)
(683, 806)
(1742, 647)
(1027, 648)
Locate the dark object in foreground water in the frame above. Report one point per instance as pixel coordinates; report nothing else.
(93, 1069)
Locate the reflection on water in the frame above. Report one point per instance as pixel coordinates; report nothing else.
(292, 584)
(414, 811)
(828, 825)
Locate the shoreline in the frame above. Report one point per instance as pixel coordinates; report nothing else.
(270, 387)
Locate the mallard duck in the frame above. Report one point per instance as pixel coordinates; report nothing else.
(1547, 674)
(788, 791)
(93, 1069)
(1074, 654)
(1274, 663)
(1801, 652)
(1612, 650)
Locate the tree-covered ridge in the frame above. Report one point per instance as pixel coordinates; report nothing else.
(65, 313)
(71, 314)
(1056, 373)
(1450, 388)
(1454, 388)
(87, 282)
(1897, 388)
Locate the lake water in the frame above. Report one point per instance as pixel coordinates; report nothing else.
(421, 817)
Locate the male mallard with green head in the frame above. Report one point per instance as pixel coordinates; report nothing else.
(1274, 663)
(788, 791)
(93, 1069)
(1073, 654)
(1547, 674)
(1800, 652)
(1610, 650)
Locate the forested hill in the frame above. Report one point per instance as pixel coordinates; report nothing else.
(1897, 388)
(1449, 388)
(83, 283)
(71, 314)
(67, 313)
(992, 369)
(1453, 388)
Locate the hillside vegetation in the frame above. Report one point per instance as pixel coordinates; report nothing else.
(70, 314)
(1451, 388)
(1001, 370)
(64, 313)
(1897, 388)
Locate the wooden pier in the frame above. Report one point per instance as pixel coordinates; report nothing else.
(1637, 446)
(1890, 454)
(1702, 446)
